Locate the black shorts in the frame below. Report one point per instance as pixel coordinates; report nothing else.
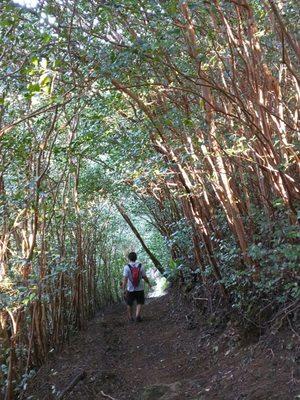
(137, 295)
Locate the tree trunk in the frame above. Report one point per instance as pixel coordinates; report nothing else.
(140, 239)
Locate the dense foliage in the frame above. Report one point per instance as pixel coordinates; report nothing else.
(179, 118)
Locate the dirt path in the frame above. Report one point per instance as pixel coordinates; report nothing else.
(177, 359)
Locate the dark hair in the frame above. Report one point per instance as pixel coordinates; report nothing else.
(132, 256)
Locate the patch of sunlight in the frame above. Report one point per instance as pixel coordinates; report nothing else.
(160, 284)
(27, 3)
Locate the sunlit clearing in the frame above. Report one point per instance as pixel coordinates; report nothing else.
(160, 284)
(27, 3)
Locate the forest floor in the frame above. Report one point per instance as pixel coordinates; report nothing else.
(168, 357)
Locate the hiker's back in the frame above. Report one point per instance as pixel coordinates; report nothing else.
(135, 273)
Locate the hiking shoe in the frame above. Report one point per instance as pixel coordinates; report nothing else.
(138, 319)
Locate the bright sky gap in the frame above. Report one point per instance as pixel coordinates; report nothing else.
(27, 3)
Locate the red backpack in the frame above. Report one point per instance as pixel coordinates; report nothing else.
(135, 274)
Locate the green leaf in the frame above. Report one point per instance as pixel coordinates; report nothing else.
(33, 87)
(45, 79)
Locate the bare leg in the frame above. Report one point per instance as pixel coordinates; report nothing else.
(138, 310)
(129, 312)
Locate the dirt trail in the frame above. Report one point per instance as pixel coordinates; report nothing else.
(184, 360)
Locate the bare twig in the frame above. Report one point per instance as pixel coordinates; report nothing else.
(107, 396)
(292, 328)
(200, 298)
(74, 382)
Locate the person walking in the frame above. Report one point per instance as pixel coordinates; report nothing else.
(133, 286)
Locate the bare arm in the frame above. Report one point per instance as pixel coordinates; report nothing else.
(147, 281)
(124, 283)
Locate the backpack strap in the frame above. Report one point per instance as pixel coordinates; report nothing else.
(139, 266)
(129, 266)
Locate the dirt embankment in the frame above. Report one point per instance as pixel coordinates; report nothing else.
(167, 357)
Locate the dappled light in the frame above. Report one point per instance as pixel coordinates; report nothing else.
(149, 144)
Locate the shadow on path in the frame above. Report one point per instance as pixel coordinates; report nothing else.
(119, 359)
